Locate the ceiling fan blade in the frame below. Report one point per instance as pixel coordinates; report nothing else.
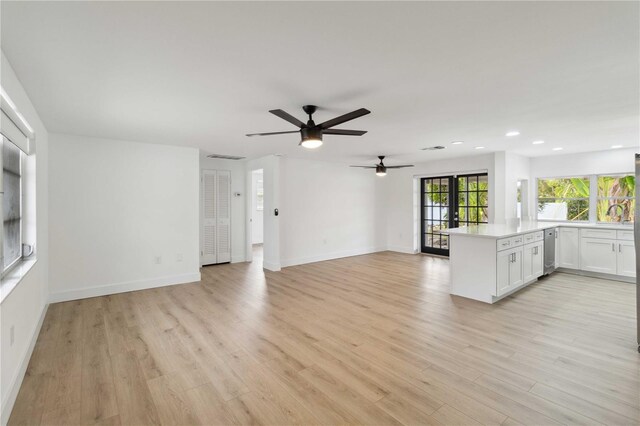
(399, 167)
(344, 118)
(365, 167)
(286, 116)
(272, 133)
(344, 132)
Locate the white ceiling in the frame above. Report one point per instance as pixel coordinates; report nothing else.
(204, 74)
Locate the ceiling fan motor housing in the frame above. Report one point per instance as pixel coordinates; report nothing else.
(311, 133)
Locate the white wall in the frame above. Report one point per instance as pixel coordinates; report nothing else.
(257, 216)
(402, 197)
(516, 168)
(116, 206)
(328, 211)
(587, 163)
(237, 169)
(25, 306)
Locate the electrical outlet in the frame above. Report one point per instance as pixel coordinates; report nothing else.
(179, 257)
(12, 335)
(157, 260)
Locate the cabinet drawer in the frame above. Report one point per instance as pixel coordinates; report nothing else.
(516, 241)
(511, 242)
(625, 235)
(504, 243)
(533, 237)
(598, 233)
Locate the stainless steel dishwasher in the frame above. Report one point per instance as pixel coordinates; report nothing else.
(549, 250)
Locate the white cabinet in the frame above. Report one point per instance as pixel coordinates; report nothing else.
(626, 258)
(599, 255)
(509, 270)
(569, 248)
(607, 252)
(532, 262)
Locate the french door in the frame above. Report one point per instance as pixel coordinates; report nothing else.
(449, 202)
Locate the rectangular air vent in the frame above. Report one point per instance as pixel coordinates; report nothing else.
(433, 148)
(225, 157)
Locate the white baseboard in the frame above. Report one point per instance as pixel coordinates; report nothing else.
(400, 249)
(16, 382)
(271, 266)
(104, 290)
(237, 259)
(330, 256)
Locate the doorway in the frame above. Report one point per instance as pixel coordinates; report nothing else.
(257, 216)
(449, 202)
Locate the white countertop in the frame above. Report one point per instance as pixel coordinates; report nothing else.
(503, 230)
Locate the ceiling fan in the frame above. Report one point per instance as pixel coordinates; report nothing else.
(311, 133)
(381, 169)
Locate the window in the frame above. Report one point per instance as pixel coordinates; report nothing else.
(259, 195)
(616, 202)
(563, 199)
(12, 203)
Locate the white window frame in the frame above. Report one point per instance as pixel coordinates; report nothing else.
(593, 195)
(6, 271)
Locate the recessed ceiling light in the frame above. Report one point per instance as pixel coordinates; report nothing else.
(537, 142)
(456, 142)
(616, 146)
(479, 147)
(557, 148)
(513, 133)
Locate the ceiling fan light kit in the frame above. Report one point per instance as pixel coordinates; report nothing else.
(311, 137)
(311, 133)
(381, 171)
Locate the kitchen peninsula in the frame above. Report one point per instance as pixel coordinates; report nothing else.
(489, 262)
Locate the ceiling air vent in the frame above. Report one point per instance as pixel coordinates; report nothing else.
(225, 157)
(433, 148)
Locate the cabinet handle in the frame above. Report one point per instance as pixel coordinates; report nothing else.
(620, 247)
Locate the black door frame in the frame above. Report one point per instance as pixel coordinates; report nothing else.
(453, 206)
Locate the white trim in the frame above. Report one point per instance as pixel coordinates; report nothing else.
(16, 383)
(454, 174)
(104, 290)
(400, 249)
(237, 259)
(330, 256)
(271, 266)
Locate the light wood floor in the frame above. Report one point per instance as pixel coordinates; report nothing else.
(372, 339)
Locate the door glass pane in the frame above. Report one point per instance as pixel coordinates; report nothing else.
(444, 242)
(473, 198)
(472, 183)
(462, 183)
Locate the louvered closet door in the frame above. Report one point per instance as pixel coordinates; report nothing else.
(223, 215)
(209, 225)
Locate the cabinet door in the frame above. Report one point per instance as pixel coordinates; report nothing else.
(626, 259)
(528, 254)
(598, 255)
(502, 273)
(515, 269)
(538, 260)
(569, 245)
